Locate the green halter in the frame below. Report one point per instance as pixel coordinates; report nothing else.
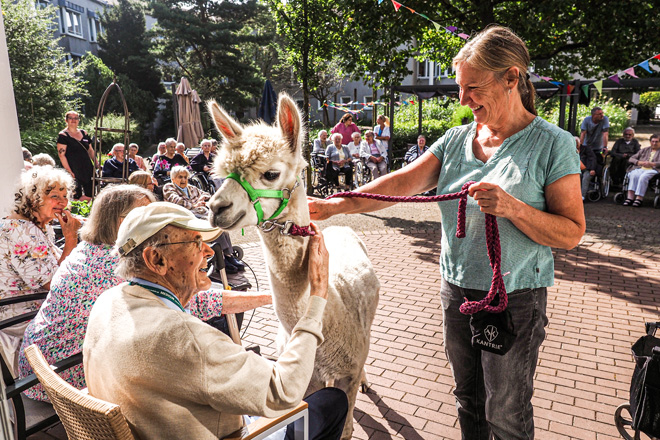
(256, 195)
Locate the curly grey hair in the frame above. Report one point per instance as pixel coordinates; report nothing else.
(37, 183)
(179, 169)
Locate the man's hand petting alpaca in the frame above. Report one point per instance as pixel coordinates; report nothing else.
(319, 261)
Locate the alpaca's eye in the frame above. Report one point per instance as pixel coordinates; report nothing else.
(271, 175)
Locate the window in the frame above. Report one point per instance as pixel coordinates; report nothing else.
(41, 4)
(95, 29)
(345, 99)
(423, 69)
(72, 23)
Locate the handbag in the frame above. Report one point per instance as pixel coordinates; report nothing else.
(645, 383)
(492, 332)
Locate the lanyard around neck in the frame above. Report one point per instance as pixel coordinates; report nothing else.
(161, 293)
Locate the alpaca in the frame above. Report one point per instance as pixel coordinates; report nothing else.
(269, 157)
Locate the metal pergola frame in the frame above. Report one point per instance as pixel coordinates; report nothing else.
(543, 88)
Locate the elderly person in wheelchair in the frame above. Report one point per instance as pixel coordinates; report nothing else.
(179, 192)
(175, 376)
(202, 164)
(643, 167)
(339, 162)
(375, 154)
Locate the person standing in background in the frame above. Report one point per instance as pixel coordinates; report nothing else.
(74, 148)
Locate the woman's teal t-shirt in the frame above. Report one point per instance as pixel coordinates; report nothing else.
(523, 166)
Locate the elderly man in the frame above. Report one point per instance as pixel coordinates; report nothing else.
(623, 149)
(114, 167)
(177, 377)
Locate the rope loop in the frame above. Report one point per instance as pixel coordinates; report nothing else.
(497, 287)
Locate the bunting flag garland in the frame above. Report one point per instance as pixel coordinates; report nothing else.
(630, 71)
(365, 105)
(599, 86)
(570, 88)
(585, 90)
(645, 65)
(657, 57)
(615, 78)
(438, 27)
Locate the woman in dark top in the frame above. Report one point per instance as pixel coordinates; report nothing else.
(76, 154)
(167, 161)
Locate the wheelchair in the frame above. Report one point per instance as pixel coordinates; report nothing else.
(654, 184)
(202, 181)
(361, 173)
(600, 186)
(321, 185)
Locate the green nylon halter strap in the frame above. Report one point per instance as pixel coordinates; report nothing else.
(256, 195)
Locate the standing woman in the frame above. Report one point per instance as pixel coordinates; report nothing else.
(528, 175)
(345, 127)
(74, 147)
(382, 131)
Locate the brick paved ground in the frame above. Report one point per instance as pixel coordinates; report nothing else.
(605, 289)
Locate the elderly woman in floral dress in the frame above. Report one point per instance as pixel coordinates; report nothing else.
(28, 255)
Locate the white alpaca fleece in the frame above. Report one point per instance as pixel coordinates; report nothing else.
(270, 158)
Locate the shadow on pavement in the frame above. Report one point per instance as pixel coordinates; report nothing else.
(395, 420)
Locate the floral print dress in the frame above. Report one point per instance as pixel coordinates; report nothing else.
(28, 260)
(59, 327)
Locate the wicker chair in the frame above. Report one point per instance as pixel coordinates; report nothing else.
(84, 417)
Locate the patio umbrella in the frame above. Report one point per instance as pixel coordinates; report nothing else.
(268, 105)
(188, 133)
(197, 118)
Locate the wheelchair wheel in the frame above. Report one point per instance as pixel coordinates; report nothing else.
(619, 198)
(359, 174)
(656, 202)
(237, 252)
(593, 195)
(606, 182)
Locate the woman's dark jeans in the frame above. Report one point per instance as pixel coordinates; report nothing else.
(493, 392)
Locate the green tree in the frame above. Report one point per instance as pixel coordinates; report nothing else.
(125, 48)
(202, 40)
(46, 86)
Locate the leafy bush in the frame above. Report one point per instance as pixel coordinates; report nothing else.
(462, 115)
(648, 102)
(42, 140)
(116, 121)
(80, 207)
(437, 117)
(617, 115)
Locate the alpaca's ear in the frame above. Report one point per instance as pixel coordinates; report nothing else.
(289, 121)
(225, 124)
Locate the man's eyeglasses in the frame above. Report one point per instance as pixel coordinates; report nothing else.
(199, 243)
(73, 119)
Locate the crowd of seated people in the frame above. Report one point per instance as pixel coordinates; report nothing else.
(114, 167)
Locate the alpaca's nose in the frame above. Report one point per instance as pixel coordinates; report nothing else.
(218, 206)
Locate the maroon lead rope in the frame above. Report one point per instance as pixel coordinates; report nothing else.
(492, 243)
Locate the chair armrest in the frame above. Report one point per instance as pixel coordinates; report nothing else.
(29, 381)
(24, 298)
(252, 430)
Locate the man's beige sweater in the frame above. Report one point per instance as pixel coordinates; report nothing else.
(176, 377)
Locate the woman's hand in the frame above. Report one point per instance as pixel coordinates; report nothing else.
(493, 200)
(69, 223)
(319, 262)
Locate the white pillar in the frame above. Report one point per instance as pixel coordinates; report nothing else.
(10, 148)
(633, 112)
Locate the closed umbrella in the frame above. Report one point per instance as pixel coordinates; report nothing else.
(188, 133)
(268, 105)
(197, 118)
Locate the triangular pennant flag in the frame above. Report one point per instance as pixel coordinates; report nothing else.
(412, 102)
(631, 71)
(437, 26)
(422, 15)
(645, 65)
(657, 57)
(599, 86)
(451, 29)
(380, 1)
(546, 78)
(557, 83)
(585, 90)
(464, 36)
(570, 88)
(410, 9)
(615, 78)
(397, 5)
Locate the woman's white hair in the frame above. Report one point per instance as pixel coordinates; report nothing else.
(179, 169)
(322, 132)
(37, 183)
(337, 135)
